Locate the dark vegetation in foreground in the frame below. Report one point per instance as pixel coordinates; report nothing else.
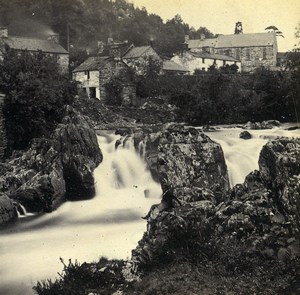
(218, 269)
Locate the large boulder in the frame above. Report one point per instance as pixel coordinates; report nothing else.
(189, 158)
(55, 168)
(8, 211)
(185, 158)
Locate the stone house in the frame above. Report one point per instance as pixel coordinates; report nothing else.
(203, 61)
(96, 71)
(253, 50)
(137, 58)
(49, 46)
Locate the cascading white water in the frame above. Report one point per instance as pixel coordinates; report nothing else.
(242, 155)
(108, 225)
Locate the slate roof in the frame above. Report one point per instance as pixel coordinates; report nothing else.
(235, 40)
(169, 65)
(93, 63)
(23, 43)
(246, 40)
(197, 43)
(136, 52)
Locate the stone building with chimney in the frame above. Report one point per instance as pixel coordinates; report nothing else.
(49, 46)
(253, 50)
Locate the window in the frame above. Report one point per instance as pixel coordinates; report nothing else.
(92, 92)
(248, 53)
(237, 54)
(87, 73)
(203, 60)
(264, 53)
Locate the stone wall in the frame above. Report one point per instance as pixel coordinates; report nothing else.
(253, 57)
(3, 141)
(129, 95)
(108, 71)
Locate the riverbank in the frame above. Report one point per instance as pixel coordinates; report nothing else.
(242, 242)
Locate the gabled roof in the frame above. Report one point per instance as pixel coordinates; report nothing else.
(212, 56)
(169, 65)
(137, 52)
(93, 63)
(235, 40)
(23, 43)
(197, 43)
(246, 40)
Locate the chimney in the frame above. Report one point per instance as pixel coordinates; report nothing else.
(202, 36)
(115, 52)
(3, 32)
(54, 38)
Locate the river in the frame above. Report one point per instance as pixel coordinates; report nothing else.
(110, 224)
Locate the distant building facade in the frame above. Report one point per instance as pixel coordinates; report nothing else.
(50, 46)
(204, 60)
(97, 71)
(137, 58)
(253, 50)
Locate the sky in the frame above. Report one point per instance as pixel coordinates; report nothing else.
(220, 16)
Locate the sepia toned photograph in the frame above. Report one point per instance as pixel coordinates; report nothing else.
(149, 147)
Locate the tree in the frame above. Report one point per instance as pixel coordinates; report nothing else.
(276, 30)
(35, 93)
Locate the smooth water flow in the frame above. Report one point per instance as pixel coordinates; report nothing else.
(242, 155)
(108, 225)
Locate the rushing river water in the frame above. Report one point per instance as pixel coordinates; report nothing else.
(110, 224)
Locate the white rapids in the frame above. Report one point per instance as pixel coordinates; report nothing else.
(108, 225)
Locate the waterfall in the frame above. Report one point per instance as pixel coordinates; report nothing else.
(242, 155)
(108, 225)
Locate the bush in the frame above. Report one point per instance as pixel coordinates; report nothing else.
(35, 93)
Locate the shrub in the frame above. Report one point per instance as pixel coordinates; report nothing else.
(35, 92)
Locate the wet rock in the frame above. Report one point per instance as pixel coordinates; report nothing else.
(55, 168)
(245, 135)
(269, 124)
(189, 158)
(8, 211)
(123, 131)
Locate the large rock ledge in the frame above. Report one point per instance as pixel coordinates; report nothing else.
(54, 169)
(261, 215)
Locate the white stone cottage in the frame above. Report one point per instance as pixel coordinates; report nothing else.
(204, 60)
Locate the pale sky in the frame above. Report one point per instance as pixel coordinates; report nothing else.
(220, 16)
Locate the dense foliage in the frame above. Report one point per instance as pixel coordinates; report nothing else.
(223, 97)
(90, 21)
(36, 92)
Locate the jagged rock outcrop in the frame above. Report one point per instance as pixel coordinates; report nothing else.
(186, 159)
(55, 168)
(261, 215)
